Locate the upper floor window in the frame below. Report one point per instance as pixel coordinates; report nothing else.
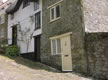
(25, 3)
(55, 12)
(2, 19)
(36, 4)
(38, 20)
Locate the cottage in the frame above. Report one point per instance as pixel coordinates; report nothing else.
(24, 24)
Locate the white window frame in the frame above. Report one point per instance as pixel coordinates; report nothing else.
(56, 47)
(54, 7)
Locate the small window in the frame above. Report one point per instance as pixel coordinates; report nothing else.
(56, 46)
(52, 13)
(36, 5)
(55, 12)
(25, 3)
(38, 20)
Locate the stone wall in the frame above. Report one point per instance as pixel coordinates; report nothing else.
(97, 51)
(70, 21)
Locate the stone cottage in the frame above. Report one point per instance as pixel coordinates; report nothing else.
(69, 35)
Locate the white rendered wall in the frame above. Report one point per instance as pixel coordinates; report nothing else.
(96, 15)
(24, 18)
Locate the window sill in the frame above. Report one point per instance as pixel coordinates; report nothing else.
(37, 28)
(55, 19)
(55, 54)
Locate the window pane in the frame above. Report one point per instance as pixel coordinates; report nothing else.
(58, 46)
(54, 46)
(52, 13)
(57, 11)
(36, 4)
(14, 35)
(37, 20)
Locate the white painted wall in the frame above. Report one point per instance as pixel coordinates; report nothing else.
(22, 19)
(96, 15)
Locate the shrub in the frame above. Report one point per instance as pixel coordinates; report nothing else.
(13, 51)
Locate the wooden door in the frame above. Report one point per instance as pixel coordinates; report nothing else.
(66, 53)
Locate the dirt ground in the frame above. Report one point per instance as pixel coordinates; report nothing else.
(22, 69)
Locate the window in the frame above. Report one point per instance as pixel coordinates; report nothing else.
(55, 12)
(2, 19)
(36, 4)
(38, 20)
(52, 13)
(56, 46)
(25, 3)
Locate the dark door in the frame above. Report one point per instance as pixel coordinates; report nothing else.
(37, 48)
(14, 35)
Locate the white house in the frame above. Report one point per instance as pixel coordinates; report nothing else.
(24, 23)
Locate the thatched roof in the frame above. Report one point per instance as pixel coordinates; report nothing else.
(14, 7)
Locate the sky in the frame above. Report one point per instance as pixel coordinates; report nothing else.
(4, 0)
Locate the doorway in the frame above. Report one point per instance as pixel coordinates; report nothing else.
(37, 48)
(14, 35)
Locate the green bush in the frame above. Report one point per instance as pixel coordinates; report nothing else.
(13, 51)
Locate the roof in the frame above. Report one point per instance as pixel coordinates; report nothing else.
(15, 6)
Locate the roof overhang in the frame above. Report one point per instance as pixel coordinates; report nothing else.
(14, 7)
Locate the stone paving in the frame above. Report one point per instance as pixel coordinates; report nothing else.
(12, 69)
